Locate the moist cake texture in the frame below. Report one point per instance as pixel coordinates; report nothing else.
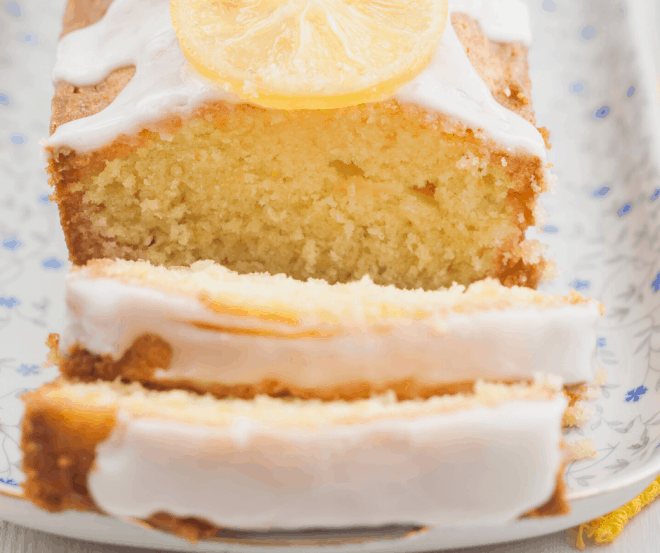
(398, 190)
(420, 448)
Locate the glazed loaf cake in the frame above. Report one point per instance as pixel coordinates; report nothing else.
(434, 185)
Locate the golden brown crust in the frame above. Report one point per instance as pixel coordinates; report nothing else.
(576, 393)
(82, 13)
(139, 363)
(68, 168)
(75, 102)
(59, 443)
(519, 273)
(189, 528)
(503, 67)
(557, 504)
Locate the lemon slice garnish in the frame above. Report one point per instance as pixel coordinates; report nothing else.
(295, 54)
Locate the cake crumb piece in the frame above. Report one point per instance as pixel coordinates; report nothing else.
(581, 449)
(576, 415)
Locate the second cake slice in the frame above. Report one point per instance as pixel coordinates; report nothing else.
(208, 329)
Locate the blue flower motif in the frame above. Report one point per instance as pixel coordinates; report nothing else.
(9, 481)
(600, 192)
(11, 244)
(588, 32)
(549, 5)
(4, 99)
(631, 91)
(624, 209)
(601, 343)
(28, 38)
(17, 138)
(576, 87)
(656, 283)
(602, 112)
(580, 284)
(550, 229)
(655, 195)
(44, 199)
(51, 263)
(27, 370)
(634, 395)
(12, 8)
(9, 302)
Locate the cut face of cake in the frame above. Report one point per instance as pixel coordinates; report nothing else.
(201, 463)
(209, 329)
(435, 184)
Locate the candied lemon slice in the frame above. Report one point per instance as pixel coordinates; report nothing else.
(297, 54)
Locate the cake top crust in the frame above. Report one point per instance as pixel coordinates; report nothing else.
(164, 84)
(311, 414)
(282, 299)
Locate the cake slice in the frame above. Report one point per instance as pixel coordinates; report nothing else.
(209, 329)
(194, 464)
(432, 185)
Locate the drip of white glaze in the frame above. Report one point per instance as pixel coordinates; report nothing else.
(480, 466)
(106, 316)
(141, 34)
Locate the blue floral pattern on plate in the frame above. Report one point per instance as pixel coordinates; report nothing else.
(602, 225)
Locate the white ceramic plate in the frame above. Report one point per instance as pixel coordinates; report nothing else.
(594, 73)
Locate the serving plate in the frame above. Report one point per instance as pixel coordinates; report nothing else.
(594, 69)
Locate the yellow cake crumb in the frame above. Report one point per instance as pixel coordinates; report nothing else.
(328, 194)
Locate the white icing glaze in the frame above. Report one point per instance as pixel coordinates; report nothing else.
(500, 20)
(483, 466)
(106, 316)
(141, 34)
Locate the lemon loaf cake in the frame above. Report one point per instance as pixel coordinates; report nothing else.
(209, 329)
(427, 175)
(194, 464)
